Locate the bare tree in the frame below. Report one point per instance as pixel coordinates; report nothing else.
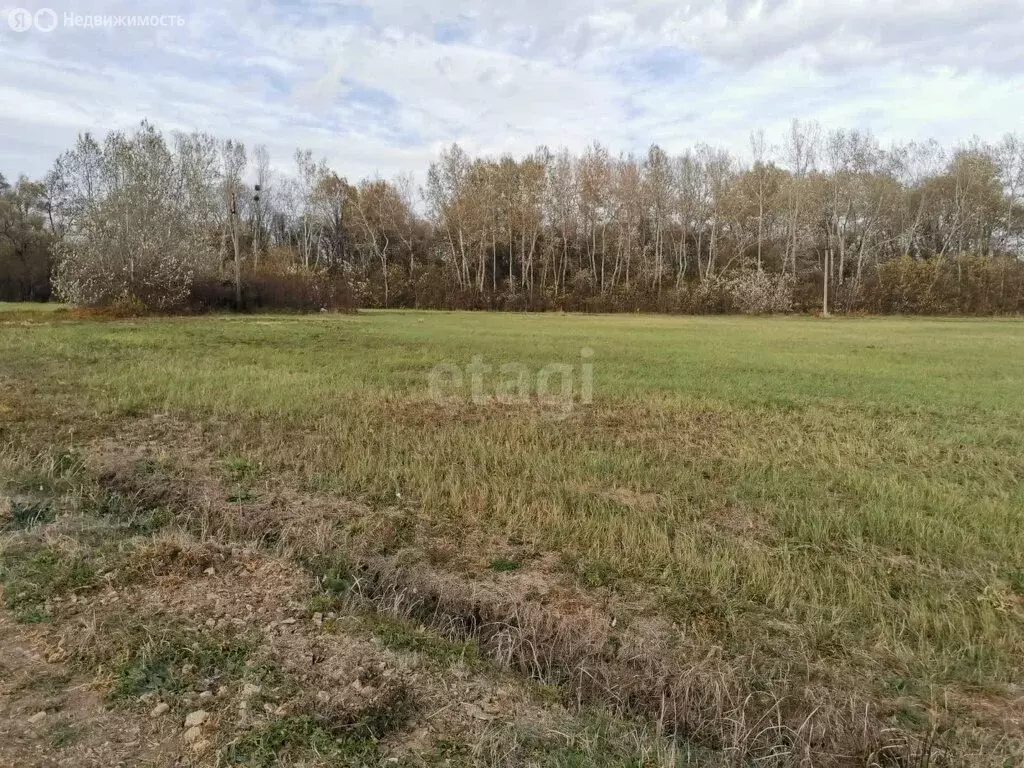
(263, 201)
(233, 162)
(1010, 157)
(134, 213)
(761, 176)
(801, 154)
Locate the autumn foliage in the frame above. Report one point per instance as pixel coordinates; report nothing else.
(193, 222)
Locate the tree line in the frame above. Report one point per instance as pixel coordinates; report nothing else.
(817, 220)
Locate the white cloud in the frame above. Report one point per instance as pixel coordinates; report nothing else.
(379, 87)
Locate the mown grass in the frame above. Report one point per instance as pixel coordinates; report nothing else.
(31, 306)
(840, 497)
(22, 313)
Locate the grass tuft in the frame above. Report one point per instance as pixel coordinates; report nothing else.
(172, 657)
(352, 741)
(33, 575)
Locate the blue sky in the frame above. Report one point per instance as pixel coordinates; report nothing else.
(378, 87)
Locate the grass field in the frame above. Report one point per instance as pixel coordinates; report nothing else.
(33, 308)
(822, 508)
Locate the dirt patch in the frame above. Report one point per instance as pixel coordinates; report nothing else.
(303, 666)
(53, 716)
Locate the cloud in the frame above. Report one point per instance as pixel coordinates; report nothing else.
(380, 86)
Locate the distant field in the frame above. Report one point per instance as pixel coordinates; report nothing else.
(832, 504)
(17, 306)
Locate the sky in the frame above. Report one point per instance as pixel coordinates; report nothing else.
(380, 87)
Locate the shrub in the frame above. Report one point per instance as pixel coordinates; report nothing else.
(135, 216)
(944, 285)
(299, 291)
(759, 293)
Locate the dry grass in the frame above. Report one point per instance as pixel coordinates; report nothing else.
(291, 669)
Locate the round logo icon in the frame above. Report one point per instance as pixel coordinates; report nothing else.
(45, 20)
(20, 20)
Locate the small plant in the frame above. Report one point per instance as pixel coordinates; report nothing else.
(126, 512)
(50, 474)
(333, 573)
(285, 738)
(400, 635)
(172, 658)
(447, 750)
(346, 742)
(597, 574)
(66, 463)
(63, 735)
(240, 469)
(27, 513)
(33, 575)
(241, 496)
(597, 742)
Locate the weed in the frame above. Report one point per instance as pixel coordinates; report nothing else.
(127, 512)
(400, 635)
(173, 657)
(599, 573)
(33, 575)
(27, 513)
(47, 475)
(335, 577)
(348, 742)
(449, 752)
(290, 738)
(242, 470)
(597, 742)
(63, 735)
(242, 496)
(321, 603)
(1017, 581)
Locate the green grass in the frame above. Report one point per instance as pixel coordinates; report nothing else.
(599, 743)
(26, 513)
(286, 739)
(305, 736)
(842, 497)
(63, 735)
(30, 306)
(33, 574)
(504, 565)
(402, 636)
(169, 658)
